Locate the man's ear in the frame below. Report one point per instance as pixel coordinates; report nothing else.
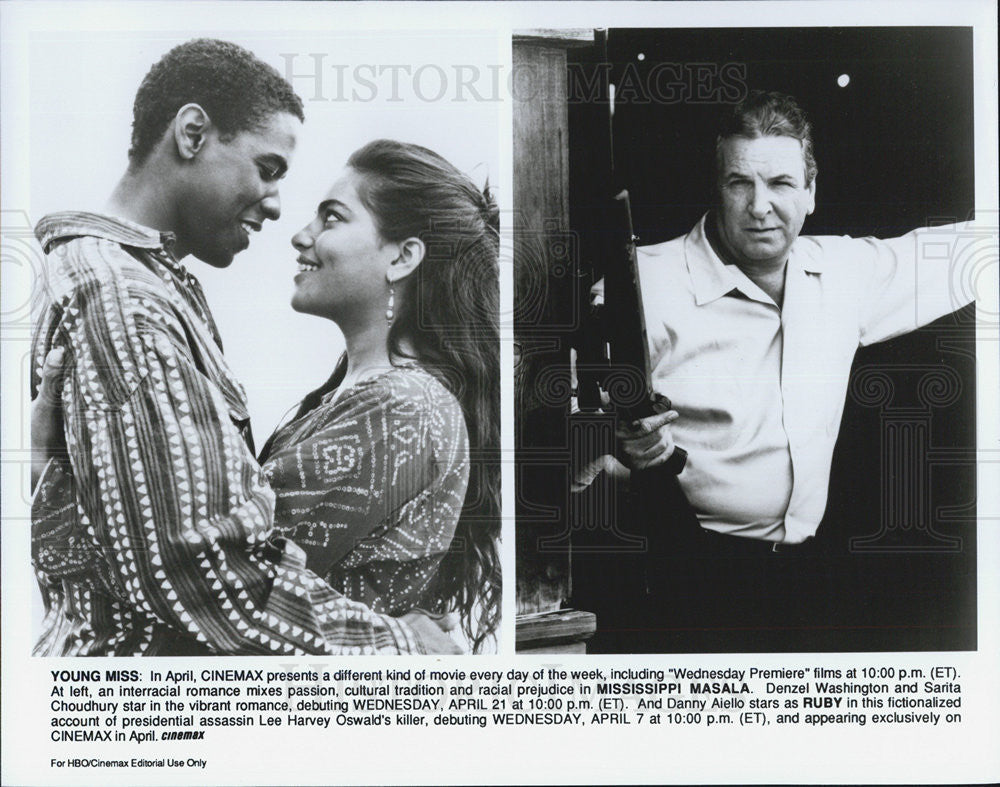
(191, 124)
(411, 254)
(812, 196)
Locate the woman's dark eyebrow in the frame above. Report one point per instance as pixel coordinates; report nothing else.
(333, 203)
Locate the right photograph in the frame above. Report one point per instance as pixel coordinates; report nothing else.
(745, 266)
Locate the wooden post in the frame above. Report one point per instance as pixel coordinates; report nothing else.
(544, 265)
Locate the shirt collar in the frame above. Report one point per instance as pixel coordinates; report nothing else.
(74, 224)
(711, 278)
(802, 257)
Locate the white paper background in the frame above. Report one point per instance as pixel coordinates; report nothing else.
(66, 105)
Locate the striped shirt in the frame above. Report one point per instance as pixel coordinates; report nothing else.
(155, 536)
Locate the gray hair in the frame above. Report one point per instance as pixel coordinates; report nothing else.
(768, 114)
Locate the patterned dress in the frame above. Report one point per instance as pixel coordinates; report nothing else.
(371, 485)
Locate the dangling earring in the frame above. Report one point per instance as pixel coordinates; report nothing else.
(388, 311)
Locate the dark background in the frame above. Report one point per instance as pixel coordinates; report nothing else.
(895, 151)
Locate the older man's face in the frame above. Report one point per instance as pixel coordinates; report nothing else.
(764, 199)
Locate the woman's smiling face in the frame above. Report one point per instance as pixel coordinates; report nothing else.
(343, 259)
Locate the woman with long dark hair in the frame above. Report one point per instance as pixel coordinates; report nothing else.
(373, 475)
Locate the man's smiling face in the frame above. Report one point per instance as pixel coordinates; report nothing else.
(234, 189)
(763, 199)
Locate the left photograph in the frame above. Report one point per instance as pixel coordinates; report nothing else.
(325, 209)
